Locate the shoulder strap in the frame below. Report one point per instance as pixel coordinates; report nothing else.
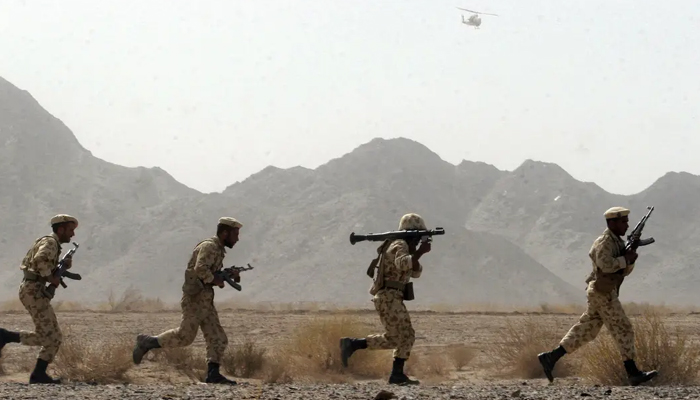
(376, 263)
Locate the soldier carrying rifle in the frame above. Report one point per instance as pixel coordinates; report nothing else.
(198, 311)
(40, 266)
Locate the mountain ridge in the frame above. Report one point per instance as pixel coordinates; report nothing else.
(513, 237)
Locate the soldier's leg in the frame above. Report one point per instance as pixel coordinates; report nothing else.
(585, 330)
(386, 340)
(216, 342)
(7, 337)
(46, 334)
(406, 338)
(621, 330)
(181, 336)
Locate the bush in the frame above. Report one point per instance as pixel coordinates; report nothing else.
(104, 361)
(672, 354)
(516, 351)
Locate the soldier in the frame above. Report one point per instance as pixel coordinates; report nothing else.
(38, 267)
(197, 302)
(397, 262)
(610, 267)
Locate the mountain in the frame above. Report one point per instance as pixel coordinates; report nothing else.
(554, 218)
(512, 237)
(46, 171)
(138, 225)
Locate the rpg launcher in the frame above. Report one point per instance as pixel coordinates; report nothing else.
(62, 272)
(423, 234)
(227, 275)
(634, 238)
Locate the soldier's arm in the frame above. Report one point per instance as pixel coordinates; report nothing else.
(205, 259)
(604, 259)
(45, 257)
(403, 260)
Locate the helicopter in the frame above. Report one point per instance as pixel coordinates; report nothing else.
(474, 19)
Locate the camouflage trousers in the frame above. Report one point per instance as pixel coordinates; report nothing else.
(398, 331)
(603, 309)
(198, 311)
(47, 333)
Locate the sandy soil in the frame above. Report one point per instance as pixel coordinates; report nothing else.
(477, 380)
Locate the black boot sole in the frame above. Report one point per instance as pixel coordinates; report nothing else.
(346, 350)
(635, 381)
(544, 361)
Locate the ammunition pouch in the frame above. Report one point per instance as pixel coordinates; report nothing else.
(408, 292)
(193, 285)
(47, 292)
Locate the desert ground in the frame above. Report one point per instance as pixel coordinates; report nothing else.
(288, 354)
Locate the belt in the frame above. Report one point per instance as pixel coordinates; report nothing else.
(394, 285)
(32, 277)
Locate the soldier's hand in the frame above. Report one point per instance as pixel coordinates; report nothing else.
(55, 281)
(236, 275)
(424, 248)
(218, 281)
(68, 262)
(631, 257)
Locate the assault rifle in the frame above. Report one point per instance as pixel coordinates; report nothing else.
(424, 235)
(62, 272)
(227, 275)
(634, 238)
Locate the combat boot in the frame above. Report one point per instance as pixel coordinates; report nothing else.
(348, 346)
(214, 376)
(635, 376)
(398, 377)
(144, 343)
(39, 374)
(549, 359)
(7, 337)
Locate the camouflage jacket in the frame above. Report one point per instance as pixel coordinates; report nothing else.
(609, 265)
(42, 258)
(207, 258)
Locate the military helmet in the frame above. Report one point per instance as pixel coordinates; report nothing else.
(411, 222)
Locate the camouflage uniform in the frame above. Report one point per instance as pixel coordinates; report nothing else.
(197, 302)
(388, 301)
(604, 307)
(38, 265)
(394, 271)
(610, 267)
(198, 310)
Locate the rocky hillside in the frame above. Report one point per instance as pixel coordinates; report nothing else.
(513, 237)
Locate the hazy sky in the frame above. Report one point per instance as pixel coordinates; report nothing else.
(214, 91)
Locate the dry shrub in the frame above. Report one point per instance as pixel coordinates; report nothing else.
(133, 300)
(516, 351)
(105, 361)
(245, 360)
(184, 360)
(11, 306)
(314, 351)
(672, 354)
(460, 355)
(62, 306)
(562, 308)
(277, 369)
(433, 364)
